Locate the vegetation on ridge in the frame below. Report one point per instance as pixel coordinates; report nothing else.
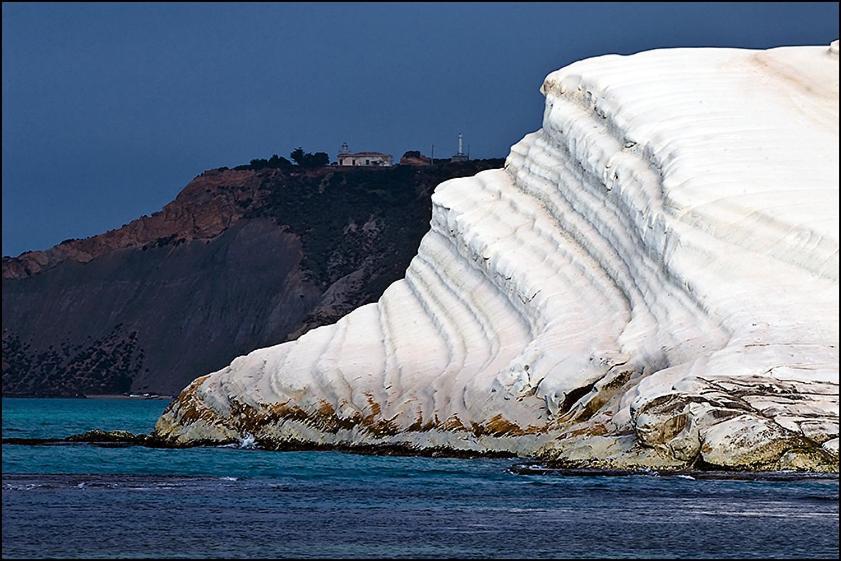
(303, 160)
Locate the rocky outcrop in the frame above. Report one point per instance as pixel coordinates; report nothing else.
(652, 281)
(241, 259)
(208, 206)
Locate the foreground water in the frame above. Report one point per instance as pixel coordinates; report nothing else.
(88, 501)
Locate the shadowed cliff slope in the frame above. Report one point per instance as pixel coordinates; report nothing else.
(239, 260)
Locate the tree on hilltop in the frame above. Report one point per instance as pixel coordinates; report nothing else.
(279, 162)
(308, 160)
(298, 156)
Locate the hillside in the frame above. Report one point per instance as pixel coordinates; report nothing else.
(239, 260)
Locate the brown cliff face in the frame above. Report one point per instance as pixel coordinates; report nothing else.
(241, 259)
(207, 206)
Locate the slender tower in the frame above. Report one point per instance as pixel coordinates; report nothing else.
(459, 156)
(344, 151)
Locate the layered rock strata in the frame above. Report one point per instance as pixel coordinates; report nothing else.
(652, 281)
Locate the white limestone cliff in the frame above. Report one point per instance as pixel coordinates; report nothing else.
(652, 281)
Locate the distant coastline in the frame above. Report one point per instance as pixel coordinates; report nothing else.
(90, 396)
(128, 396)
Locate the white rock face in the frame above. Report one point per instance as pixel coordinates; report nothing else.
(652, 280)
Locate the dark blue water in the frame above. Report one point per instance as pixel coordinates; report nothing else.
(87, 501)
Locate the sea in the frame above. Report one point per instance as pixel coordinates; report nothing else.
(86, 501)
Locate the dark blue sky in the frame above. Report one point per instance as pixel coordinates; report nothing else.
(109, 110)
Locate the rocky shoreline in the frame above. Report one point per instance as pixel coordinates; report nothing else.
(525, 466)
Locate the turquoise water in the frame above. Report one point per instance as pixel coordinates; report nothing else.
(49, 418)
(87, 501)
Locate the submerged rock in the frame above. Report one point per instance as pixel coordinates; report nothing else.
(96, 436)
(103, 436)
(651, 282)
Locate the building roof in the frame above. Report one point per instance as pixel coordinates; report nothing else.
(359, 154)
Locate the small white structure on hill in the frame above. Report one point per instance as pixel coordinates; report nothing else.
(460, 156)
(348, 159)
